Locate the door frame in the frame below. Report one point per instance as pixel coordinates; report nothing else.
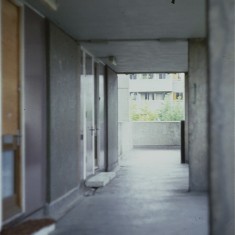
(97, 109)
(99, 63)
(93, 113)
(83, 133)
(85, 52)
(82, 114)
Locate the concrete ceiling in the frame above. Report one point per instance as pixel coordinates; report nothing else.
(131, 25)
(139, 57)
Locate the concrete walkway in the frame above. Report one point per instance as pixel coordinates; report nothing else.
(148, 196)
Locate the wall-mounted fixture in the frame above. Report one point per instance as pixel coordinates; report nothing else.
(194, 93)
(112, 60)
(53, 4)
(173, 1)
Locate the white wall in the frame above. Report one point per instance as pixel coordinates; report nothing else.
(124, 125)
(123, 98)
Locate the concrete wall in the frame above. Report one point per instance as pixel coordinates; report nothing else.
(197, 114)
(156, 134)
(112, 119)
(221, 122)
(125, 138)
(63, 113)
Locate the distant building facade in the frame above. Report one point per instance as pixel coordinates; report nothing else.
(155, 87)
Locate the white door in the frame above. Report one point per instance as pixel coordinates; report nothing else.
(90, 115)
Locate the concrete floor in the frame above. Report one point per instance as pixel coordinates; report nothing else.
(148, 196)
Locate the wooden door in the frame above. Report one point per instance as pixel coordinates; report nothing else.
(11, 109)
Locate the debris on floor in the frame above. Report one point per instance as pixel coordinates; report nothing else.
(100, 180)
(90, 192)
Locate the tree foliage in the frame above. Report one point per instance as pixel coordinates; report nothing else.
(169, 111)
(142, 113)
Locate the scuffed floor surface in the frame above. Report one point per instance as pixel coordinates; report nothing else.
(149, 196)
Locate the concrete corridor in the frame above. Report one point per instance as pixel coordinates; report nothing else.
(148, 196)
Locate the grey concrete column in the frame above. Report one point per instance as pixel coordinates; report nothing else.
(221, 110)
(112, 119)
(197, 114)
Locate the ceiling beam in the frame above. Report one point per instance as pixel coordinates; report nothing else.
(106, 41)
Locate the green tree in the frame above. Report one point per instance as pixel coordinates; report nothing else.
(171, 111)
(142, 113)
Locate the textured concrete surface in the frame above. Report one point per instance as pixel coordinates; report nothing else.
(221, 124)
(156, 133)
(125, 138)
(100, 180)
(197, 114)
(148, 196)
(155, 56)
(128, 19)
(63, 115)
(133, 20)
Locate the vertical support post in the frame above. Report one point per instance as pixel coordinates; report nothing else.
(186, 124)
(198, 115)
(221, 116)
(112, 119)
(1, 114)
(182, 127)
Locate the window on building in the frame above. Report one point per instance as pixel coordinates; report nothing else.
(148, 76)
(152, 99)
(179, 95)
(146, 96)
(145, 76)
(133, 76)
(162, 76)
(133, 95)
